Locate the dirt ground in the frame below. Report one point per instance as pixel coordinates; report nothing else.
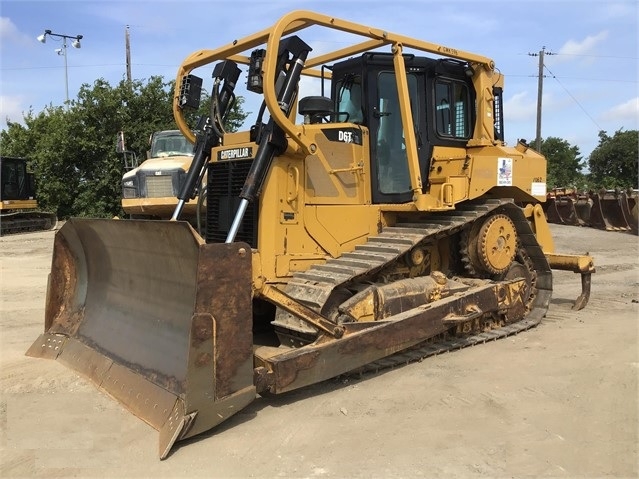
(560, 400)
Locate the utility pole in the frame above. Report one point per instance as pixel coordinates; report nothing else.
(128, 54)
(540, 89)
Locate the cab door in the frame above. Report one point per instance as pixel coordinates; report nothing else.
(389, 159)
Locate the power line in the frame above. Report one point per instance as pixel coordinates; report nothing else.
(598, 79)
(513, 75)
(58, 67)
(618, 57)
(542, 66)
(88, 66)
(574, 99)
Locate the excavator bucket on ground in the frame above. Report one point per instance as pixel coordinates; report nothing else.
(565, 207)
(583, 208)
(551, 210)
(607, 212)
(628, 203)
(610, 210)
(163, 326)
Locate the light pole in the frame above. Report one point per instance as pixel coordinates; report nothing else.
(62, 51)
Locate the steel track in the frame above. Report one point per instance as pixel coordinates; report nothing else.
(314, 286)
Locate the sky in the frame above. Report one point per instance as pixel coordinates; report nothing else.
(591, 63)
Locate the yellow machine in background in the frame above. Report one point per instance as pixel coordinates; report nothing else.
(150, 190)
(18, 204)
(391, 217)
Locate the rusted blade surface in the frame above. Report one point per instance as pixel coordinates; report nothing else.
(155, 318)
(127, 290)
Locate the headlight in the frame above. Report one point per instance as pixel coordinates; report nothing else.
(128, 184)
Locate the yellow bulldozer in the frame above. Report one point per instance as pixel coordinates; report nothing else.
(384, 214)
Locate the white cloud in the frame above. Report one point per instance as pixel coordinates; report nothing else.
(628, 110)
(520, 107)
(583, 47)
(11, 108)
(9, 34)
(7, 28)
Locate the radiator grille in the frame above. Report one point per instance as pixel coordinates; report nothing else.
(128, 192)
(225, 182)
(159, 186)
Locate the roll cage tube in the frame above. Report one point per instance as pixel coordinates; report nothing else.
(272, 141)
(293, 22)
(226, 74)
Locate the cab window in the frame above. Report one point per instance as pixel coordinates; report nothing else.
(392, 159)
(452, 109)
(349, 101)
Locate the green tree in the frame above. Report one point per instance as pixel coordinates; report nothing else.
(44, 140)
(142, 124)
(613, 163)
(145, 108)
(564, 163)
(72, 150)
(233, 119)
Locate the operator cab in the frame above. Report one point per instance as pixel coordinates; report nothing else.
(364, 92)
(169, 143)
(15, 182)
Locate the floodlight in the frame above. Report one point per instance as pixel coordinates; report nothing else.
(62, 51)
(43, 38)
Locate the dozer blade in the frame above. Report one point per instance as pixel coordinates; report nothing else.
(155, 318)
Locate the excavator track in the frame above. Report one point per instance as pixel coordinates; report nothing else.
(316, 286)
(26, 222)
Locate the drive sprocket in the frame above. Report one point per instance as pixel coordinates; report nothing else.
(490, 246)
